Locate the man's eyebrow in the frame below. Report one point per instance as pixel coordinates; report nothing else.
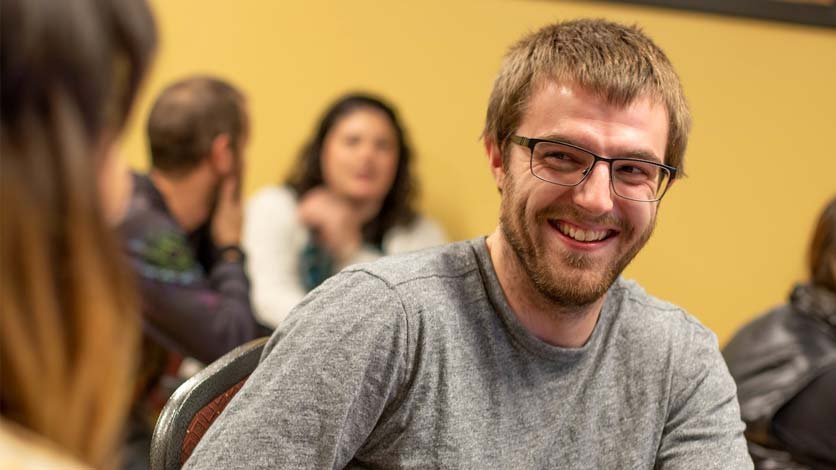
(640, 155)
(635, 154)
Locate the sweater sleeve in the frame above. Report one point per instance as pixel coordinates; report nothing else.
(272, 239)
(201, 315)
(703, 428)
(326, 377)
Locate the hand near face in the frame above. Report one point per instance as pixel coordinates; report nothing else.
(338, 224)
(229, 214)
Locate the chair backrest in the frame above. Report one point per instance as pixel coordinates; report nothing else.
(194, 405)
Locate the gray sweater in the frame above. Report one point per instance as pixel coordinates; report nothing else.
(417, 361)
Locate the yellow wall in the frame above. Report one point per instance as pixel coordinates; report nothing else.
(730, 237)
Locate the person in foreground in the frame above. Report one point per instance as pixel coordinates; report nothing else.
(69, 321)
(349, 199)
(182, 232)
(524, 349)
(784, 363)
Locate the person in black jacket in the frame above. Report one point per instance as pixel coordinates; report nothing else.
(784, 363)
(182, 233)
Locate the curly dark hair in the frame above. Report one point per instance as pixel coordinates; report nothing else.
(397, 208)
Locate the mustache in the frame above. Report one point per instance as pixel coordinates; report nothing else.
(578, 215)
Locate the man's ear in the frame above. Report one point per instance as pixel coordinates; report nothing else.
(494, 154)
(221, 156)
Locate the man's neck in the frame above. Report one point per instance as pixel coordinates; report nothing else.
(187, 197)
(552, 323)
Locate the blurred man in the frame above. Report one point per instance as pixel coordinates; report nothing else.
(524, 349)
(183, 233)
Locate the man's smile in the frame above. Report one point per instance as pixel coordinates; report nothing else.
(582, 237)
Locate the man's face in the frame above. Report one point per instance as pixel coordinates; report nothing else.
(573, 242)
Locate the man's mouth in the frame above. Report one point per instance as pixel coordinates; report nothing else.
(580, 234)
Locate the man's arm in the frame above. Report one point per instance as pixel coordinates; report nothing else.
(703, 428)
(325, 379)
(201, 315)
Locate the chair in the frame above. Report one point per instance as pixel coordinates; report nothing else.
(193, 407)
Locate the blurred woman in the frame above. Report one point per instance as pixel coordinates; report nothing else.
(349, 199)
(69, 326)
(784, 363)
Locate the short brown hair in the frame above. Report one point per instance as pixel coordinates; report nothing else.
(619, 63)
(822, 256)
(187, 116)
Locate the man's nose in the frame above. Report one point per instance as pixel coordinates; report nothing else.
(594, 193)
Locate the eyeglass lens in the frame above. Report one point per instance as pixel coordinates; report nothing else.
(631, 179)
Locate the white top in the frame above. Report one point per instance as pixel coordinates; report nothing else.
(273, 239)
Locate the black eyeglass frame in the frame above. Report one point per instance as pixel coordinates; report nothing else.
(530, 143)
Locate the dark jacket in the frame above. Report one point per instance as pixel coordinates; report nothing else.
(774, 359)
(194, 304)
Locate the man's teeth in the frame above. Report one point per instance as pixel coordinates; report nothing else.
(582, 235)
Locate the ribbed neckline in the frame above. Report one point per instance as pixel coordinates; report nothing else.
(520, 334)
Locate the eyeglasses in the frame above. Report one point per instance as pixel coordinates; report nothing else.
(568, 165)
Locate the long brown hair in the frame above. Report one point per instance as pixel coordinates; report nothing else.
(69, 324)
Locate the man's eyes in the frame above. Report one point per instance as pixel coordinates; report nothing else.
(632, 169)
(558, 156)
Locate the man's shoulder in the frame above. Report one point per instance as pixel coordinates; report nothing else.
(146, 211)
(450, 261)
(394, 289)
(641, 315)
(158, 247)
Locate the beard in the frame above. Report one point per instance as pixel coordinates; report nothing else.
(577, 279)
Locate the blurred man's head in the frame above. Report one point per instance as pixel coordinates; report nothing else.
(195, 121)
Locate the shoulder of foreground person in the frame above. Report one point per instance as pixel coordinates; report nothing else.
(342, 357)
(410, 277)
(703, 428)
(325, 377)
(645, 315)
(445, 260)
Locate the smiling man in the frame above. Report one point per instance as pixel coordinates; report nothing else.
(524, 349)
